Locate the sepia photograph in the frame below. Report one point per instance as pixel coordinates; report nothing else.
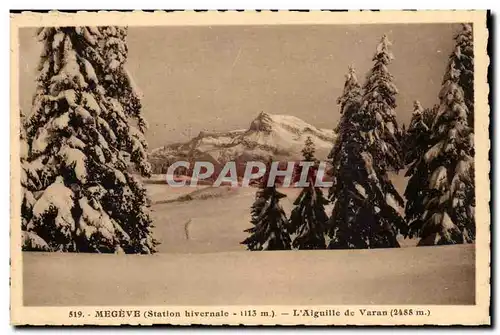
(327, 168)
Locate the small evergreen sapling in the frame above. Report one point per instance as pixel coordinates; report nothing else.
(270, 224)
(308, 219)
(308, 150)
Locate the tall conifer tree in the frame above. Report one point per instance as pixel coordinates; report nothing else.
(366, 204)
(441, 197)
(81, 141)
(349, 102)
(440, 193)
(417, 142)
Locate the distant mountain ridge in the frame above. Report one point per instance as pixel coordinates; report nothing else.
(280, 137)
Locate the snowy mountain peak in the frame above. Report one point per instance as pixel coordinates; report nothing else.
(280, 137)
(263, 122)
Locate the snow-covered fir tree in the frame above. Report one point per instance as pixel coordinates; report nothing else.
(440, 192)
(417, 142)
(349, 101)
(308, 219)
(366, 204)
(270, 224)
(463, 58)
(118, 81)
(120, 85)
(26, 195)
(80, 142)
(30, 240)
(416, 139)
(345, 229)
(308, 150)
(379, 103)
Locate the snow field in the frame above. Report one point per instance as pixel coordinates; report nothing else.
(425, 275)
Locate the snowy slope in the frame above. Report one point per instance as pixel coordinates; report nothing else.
(279, 136)
(426, 275)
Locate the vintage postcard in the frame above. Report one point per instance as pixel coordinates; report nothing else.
(250, 168)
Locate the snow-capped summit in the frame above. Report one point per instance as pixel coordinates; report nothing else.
(280, 137)
(263, 122)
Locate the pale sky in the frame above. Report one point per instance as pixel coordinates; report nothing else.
(219, 78)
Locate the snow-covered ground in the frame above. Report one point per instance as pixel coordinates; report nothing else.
(425, 275)
(200, 262)
(215, 220)
(212, 223)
